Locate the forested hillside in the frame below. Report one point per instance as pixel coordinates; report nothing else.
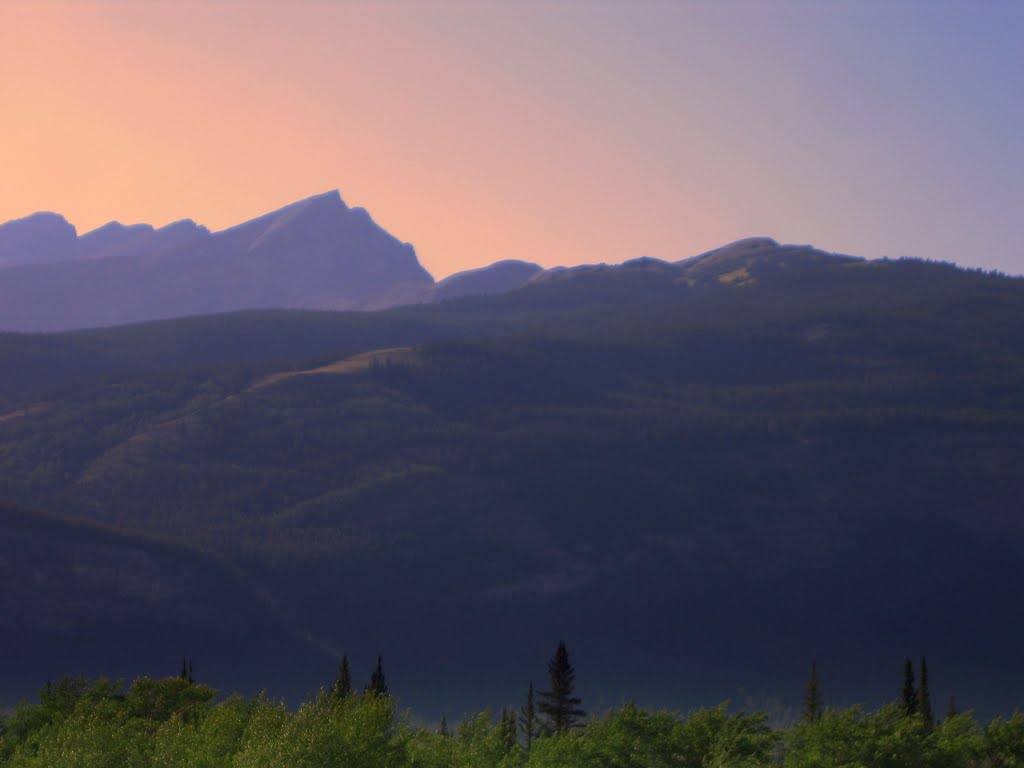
(703, 474)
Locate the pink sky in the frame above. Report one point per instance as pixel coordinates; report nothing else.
(560, 133)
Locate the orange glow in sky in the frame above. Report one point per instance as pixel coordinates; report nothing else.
(221, 113)
(559, 133)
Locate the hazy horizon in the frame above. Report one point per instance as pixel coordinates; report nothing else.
(555, 133)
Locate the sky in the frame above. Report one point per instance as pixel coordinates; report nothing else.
(560, 132)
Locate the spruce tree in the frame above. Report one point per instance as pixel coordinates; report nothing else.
(378, 684)
(508, 729)
(443, 729)
(812, 697)
(343, 683)
(528, 720)
(559, 707)
(924, 698)
(908, 697)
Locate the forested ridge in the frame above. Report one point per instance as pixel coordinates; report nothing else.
(787, 454)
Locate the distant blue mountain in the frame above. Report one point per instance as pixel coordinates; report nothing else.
(37, 239)
(316, 253)
(499, 277)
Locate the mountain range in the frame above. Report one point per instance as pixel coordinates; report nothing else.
(702, 475)
(314, 254)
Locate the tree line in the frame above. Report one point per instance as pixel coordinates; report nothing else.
(80, 723)
(554, 710)
(915, 699)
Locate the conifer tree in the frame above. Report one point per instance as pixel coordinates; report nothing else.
(508, 729)
(924, 698)
(812, 697)
(443, 729)
(560, 708)
(378, 684)
(908, 697)
(528, 720)
(343, 683)
(951, 709)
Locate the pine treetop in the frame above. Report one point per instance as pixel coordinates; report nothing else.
(924, 698)
(560, 708)
(908, 695)
(813, 703)
(528, 720)
(343, 683)
(378, 683)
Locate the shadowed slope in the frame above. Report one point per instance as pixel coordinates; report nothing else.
(699, 482)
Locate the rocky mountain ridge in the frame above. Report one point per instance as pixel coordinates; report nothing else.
(314, 254)
(317, 253)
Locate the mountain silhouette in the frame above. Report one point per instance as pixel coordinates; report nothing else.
(499, 277)
(116, 239)
(316, 254)
(36, 239)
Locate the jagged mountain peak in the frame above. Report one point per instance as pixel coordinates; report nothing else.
(39, 219)
(112, 227)
(315, 253)
(183, 225)
(36, 239)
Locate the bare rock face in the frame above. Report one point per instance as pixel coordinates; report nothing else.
(314, 254)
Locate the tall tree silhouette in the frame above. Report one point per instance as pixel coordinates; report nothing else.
(343, 683)
(560, 708)
(812, 696)
(924, 698)
(528, 722)
(508, 730)
(378, 684)
(908, 696)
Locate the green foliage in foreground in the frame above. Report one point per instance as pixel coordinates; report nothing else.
(165, 723)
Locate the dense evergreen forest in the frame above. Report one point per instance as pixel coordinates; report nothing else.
(711, 472)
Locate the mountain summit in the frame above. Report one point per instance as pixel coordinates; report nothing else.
(313, 254)
(317, 253)
(41, 237)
